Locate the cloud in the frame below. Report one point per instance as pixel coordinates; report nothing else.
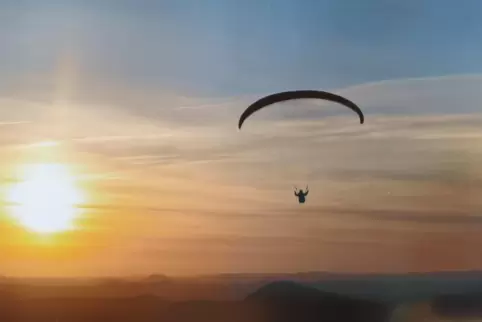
(433, 218)
(190, 172)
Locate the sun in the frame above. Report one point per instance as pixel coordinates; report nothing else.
(46, 198)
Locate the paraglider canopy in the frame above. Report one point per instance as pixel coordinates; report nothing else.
(290, 95)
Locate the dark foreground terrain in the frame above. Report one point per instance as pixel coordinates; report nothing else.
(301, 297)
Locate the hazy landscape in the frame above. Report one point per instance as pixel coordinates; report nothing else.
(237, 297)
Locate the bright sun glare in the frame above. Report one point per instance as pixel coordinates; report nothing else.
(45, 199)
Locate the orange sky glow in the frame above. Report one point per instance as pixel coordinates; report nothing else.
(116, 169)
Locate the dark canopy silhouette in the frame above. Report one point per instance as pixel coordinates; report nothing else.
(290, 95)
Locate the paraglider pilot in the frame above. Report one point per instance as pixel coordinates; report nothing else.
(301, 194)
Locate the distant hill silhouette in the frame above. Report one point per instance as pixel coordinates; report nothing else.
(157, 278)
(284, 290)
(290, 302)
(303, 297)
(387, 287)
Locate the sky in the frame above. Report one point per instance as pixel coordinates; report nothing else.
(143, 97)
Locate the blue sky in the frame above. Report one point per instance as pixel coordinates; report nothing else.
(144, 97)
(233, 47)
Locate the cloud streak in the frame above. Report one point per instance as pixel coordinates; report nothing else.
(403, 171)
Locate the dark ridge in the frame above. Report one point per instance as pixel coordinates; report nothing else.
(289, 302)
